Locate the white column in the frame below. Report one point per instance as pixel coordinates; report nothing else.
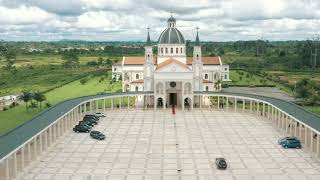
(22, 158)
(15, 164)
(46, 139)
(268, 111)
(318, 144)
(272, 118)
(235, 104)
(300, 131)
(258, 110)
(104, 105)
(243, 104)
(128, 102)
(97, 105)
(53, 137)
(305, 136)
(7, 173)
(263, 109)
(111, 103)
(40, 144)
(218, 102)
(295, 128)
(290, 121)
(29, 152)
(250, 105)
(227, 103)
(35, 148)
(311, 140)
(120, 101)
(286, 122)
(200, 101)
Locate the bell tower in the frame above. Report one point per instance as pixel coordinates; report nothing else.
(148, 66)
(197, 65)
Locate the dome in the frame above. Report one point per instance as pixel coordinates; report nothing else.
(171, 19)
(171, 35)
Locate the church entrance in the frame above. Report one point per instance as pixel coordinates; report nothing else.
(173, 99)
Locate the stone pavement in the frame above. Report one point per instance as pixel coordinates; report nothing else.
(156, 145)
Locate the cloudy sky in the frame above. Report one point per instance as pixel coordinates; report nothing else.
(123, 20)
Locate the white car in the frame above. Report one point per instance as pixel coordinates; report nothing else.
(99, 114)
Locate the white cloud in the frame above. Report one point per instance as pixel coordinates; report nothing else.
(23, 15)
(219, 20)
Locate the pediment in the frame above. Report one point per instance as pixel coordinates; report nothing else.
(173, 67)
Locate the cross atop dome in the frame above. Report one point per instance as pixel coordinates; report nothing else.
(171, 22)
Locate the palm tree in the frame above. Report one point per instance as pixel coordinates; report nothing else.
(217, 85)
(39, 97)
(26, 96)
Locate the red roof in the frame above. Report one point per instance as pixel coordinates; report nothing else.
(139, 60)
(206, 60)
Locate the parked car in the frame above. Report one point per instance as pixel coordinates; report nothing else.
(221, 163)
(292, 143)
(86, 123)
(90, 120)
(99, 114)
(81, 128)
(97, 135)
(92, 116)
(280, 141)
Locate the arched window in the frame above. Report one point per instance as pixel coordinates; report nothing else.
(148, 56)
(206, 76)
(137, 89)
(166, 50)
(177, 50)
(171, 50)
(225, 76)
(197, 56)
(161, 50)
(207, 88)
(181, 50)
(137, 76)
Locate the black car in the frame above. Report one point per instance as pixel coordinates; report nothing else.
(91, 120)
(91, 116)
(81, 128)
(86, 123)
(97, 135)
(221, 163)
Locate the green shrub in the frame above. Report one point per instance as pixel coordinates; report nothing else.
(84, 81)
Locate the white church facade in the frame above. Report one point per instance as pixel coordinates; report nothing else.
(171, 75)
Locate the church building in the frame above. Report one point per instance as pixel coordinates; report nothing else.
(171, 75)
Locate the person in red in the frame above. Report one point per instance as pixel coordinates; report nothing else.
(173, 109)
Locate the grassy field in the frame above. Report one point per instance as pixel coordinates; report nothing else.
(16, 116)
(293, 77)
(243, 78)
(36, 60)
(39, 78)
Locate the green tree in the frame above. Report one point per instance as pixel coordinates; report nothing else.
(26, 96)
(100, 61)
(39, 97)
(71, 59)
(109, 63)
(10, 58)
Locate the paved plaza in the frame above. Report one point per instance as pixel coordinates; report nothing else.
(156, 145)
